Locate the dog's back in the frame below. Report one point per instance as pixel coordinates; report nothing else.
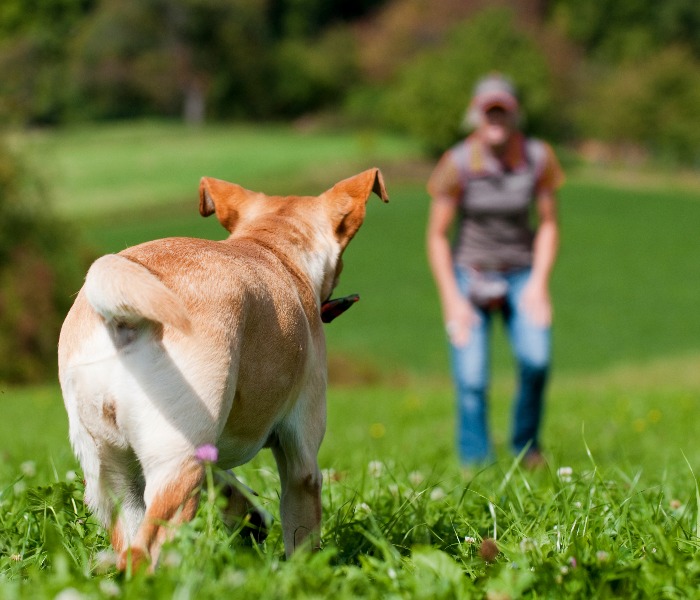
(214, 319)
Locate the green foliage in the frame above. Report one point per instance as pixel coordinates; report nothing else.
(41, 265)
(140, 58)
(431, 95)
(307, 18)
(313, 74)
(34, 58)
(118, 64)
(608, 29)
(653, 103)
(84, 60)
(215, 58)
(614, 31)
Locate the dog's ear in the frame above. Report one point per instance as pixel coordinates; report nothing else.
(347, 200)
(223, 198)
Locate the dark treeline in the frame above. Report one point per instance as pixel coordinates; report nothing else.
(625, 72)
(66, 60)
(618, 78)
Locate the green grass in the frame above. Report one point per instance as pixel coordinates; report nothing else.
(621, 412)
(614, 515)
(116, 168)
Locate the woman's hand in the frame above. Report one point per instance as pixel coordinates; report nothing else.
(460, 316)
(537, 304)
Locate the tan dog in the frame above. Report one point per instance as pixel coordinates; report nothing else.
(178, 343)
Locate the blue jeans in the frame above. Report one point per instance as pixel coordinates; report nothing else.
(531, 346)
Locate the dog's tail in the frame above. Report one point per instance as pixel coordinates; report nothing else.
(122, 290)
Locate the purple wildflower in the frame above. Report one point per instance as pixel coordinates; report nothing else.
(207, 453)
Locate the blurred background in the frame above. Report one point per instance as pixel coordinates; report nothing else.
(622, 72)
(111, 110)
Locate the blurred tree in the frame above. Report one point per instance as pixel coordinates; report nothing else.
(403, 29)
(654, 104)
(607, 29)
(225, 58)
(35, 36)
(678, 22)
(431, 94)
(118, 63)
(254, 59)
(617, 30)
(307, 18)
(42, 264)
(313, 74)
(172, 57)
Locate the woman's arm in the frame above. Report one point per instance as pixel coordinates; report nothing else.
(457, 312)
(536, 298)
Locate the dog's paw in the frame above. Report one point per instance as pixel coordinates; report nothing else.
(256, 525)
(133, 559)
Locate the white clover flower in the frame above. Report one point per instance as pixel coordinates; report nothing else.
(527, 545)
(602, 556)
(469, 540)
(391, 572)
(109, 588)
(393, 490)
(676, 504)
(69, 594)
(363, 509)
(415, 478)
(28, 468)
(565, 473)
(437, 494)
(328, 475)
(578, 504)
(172, 559)
(105, 560)
(71, 476)
(376, 468)
(19, 487)
(236, 579)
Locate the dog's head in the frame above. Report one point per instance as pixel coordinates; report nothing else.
(312, 231)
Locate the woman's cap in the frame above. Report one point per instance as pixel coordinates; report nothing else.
(494, 90)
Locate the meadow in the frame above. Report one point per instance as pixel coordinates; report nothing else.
(615, 513)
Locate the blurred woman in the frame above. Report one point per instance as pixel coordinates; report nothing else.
(486, 188)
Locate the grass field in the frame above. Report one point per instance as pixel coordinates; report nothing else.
(614, 515)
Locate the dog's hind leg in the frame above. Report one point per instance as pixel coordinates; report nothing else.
(121, 487)
(114, 483)
(171, 497)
